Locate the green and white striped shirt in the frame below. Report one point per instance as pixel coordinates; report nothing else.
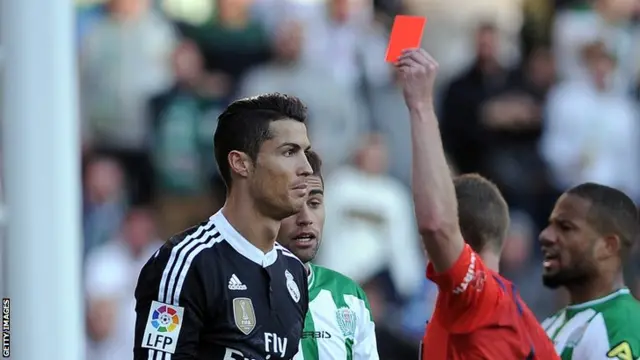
(601, 329)
(338, 324)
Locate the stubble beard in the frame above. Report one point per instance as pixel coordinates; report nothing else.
(566, 278)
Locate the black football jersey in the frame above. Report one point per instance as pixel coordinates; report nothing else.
(208, 293)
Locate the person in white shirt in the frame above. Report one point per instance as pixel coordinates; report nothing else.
(110, 279)
(372, 224)
(591, 130)
(610, 21)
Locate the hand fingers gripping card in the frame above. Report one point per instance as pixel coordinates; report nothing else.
(406, 33)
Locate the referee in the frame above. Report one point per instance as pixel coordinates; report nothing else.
(221, 289)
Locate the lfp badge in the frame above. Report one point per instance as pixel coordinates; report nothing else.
(163, 327)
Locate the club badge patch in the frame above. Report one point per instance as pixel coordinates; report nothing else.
(294, 291)
(347, 321)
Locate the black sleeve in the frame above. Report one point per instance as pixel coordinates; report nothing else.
(166, 322)
(305, 295)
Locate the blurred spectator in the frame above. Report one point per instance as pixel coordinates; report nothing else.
(537, 26)
(392, 344)
(347, 44)
(565, 4)
(86, 17)
(182, 144)
(450, 31)
(386, 10)
(372, 226)
(464, 136)
(387, 107)
(592, 131)
(110, 278)
(124, 61)
(232, 43)
(335, 114)
(512, 121)
(104, 201)
(419, 310)
(598, 20)
(272, 13)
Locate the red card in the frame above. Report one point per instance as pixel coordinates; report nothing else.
(406, 33)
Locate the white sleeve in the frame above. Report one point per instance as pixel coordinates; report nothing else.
(104, 276)
(594, 343)
(365, 346)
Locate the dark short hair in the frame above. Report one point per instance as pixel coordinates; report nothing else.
(483, 214)
(244, 126)
(611, 212)
(316, 163)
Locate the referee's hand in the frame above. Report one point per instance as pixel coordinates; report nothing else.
(417, 73)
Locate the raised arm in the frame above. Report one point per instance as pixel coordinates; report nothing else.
(433, 191)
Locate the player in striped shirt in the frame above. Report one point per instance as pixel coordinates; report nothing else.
(590, 234)
(338, 324)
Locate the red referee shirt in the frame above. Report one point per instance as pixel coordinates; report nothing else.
(479, 315)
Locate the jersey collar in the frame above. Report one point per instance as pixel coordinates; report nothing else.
(310, 277)
(601, 300)
(241, 244)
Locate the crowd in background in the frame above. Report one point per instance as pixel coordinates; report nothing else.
(536, 95)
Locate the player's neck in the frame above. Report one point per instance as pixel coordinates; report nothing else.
(491, 260)
(594, 289)
(259, 230)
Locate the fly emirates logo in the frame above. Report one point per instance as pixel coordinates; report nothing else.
(273, 344)
(471, 273)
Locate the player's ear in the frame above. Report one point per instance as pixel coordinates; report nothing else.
(610, 246)
(240, 163)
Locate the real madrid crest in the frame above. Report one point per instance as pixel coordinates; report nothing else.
(294, 291)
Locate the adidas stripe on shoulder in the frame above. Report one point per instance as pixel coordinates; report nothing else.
(182, 255)
(286, 252)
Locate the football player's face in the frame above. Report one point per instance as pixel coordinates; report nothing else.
(569, 244)
(301, 233)
(279, 177)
